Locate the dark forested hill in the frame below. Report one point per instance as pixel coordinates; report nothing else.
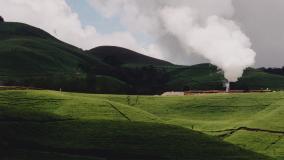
(118, 56)
(31, 57)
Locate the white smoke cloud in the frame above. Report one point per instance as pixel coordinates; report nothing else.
(218, 40)
(188, 27)
(57, 18)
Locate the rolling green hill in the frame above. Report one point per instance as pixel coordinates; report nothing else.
(253, 121)
(59, 125)
(31, 57)
(117, 56)
(28, 50)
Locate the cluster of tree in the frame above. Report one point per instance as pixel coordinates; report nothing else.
(139, 80)
(279, 71)
(142, 80)
(126, 80)
(146, 80)
(54, 82)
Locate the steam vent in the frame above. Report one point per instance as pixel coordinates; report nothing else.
(1, 19)
(227, 87)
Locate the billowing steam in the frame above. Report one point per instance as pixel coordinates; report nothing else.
(201, 27)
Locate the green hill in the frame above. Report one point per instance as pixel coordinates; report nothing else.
(253, 121)
(58, 125)
(12, 29)
(33, 58)
(256, 79)
(117, 56)
(207, 76)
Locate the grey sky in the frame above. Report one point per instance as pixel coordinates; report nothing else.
(260, 20)
(263, 22)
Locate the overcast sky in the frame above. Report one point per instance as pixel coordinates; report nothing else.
(263, 22)
(91, 23)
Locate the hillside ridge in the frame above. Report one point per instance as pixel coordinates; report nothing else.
(31, 57)
(117, 56)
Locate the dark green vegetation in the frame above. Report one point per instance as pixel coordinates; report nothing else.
(32, 57)
(279, 71)
(117, 56)
(59, 125)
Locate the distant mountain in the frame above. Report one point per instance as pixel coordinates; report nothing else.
(30, 50)
(118, 56)
(30, 56)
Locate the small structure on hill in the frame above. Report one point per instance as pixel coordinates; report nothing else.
(201, 92)
(1, 19)
(173, 93)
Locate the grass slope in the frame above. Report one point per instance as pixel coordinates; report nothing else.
(253, 121)
(69, 126)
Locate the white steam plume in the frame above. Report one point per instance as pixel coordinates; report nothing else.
(188, 26)
(218, 40)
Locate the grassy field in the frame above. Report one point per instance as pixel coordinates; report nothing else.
(253, 121)
(59, 125)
